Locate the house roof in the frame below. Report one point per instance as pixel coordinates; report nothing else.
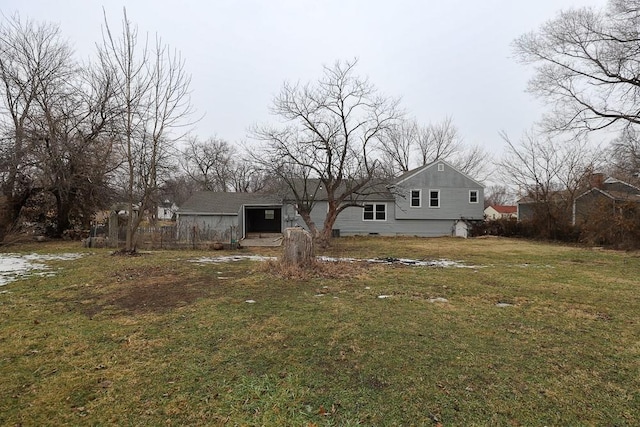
(614, 195)
(372, 190)
(556, 196)
(504, 209)
(224, 203)
(612, 180)
(616, 190)
(417, 170)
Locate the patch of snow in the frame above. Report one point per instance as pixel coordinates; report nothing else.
(250, 301)
(438, 299)
(384, 296)
(14, 266)
(231, 258)
(442, 263)
(504, 304)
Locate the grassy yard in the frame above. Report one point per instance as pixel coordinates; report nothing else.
(530, 334)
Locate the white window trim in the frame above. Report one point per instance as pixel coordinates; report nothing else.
(419, 198)
(439, 199)
(477, 196)
(374, 212)
(440, 167)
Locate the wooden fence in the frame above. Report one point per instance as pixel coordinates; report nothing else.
(174, 237)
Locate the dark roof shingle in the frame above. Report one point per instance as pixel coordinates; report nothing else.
(212, 202)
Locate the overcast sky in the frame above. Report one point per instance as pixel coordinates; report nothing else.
(442, 58)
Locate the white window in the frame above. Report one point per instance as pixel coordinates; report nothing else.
(269, 214)
(434, 198)
(375, 212)
(440, 167)
(473, 196)
(416, 198)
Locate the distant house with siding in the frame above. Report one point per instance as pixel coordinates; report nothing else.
(607, 195)
(166, 210)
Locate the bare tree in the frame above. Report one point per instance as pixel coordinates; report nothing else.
(326, 146)
(549, 172)
(587, 65)
(53, 125)
(216, 165)
(209, 163)
(249, 177)
(398, 146)
(71, 143)
(498, 195)
(624, 152)
(152, 93)
(407, 145)
(178, 188)
(438, 141)
(473, 161)
(31, 54)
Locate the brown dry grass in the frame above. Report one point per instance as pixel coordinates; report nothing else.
(157, 339)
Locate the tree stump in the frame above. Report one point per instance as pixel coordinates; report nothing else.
(298, 247)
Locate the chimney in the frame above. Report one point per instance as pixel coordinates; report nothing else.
(596, 180)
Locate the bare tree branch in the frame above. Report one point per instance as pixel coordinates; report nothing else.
(587, 64)
(332, 129)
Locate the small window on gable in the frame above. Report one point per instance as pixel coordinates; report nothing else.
(416, 198)
(375, 212)
(434, 198)
(473, 196)
(440, 167)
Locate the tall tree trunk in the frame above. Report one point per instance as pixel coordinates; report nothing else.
(63, 208)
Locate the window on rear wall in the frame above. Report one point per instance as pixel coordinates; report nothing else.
(434, 198)
(473, 196)
(416, 198)
(375, 212)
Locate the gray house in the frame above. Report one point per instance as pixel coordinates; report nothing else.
(432, 200)
(603, 198)
(222, 216)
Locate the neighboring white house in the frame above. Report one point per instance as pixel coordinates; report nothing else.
(166, 210)
(427, 201)
(500, 211)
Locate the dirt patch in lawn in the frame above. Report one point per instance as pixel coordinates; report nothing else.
(144, 290)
